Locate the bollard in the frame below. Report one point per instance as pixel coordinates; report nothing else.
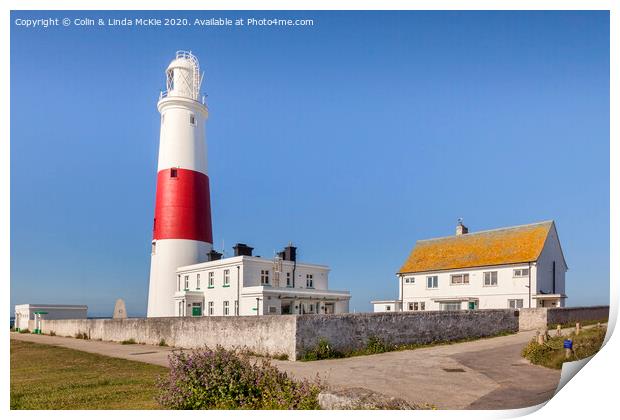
(577, 328)
(540, 338)
(558, 330)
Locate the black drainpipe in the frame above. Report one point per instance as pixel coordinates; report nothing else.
(554, 277)
(402, 303)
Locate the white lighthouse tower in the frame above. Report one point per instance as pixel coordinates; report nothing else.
(182, 233)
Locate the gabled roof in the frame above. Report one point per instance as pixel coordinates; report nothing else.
(511, 245)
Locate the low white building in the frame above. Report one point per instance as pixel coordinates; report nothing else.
(36, 311)
(250, 285)
(513, 267)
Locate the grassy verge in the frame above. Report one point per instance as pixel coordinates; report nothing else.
(49, 377)
(323, 350)
(572, 324)
(552, 354)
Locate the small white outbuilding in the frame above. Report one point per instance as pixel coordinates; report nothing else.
(36, 312)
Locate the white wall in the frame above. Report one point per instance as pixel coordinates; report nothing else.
(25, 312)
(489, 297)
(544, 267)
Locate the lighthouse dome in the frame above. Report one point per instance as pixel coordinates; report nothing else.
(183, 76)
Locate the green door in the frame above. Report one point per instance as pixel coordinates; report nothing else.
(472, 306)
(197, 310)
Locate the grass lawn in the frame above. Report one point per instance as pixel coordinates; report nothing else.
(551, 353)
(49, 377)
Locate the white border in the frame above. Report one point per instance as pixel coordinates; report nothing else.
(592, 394)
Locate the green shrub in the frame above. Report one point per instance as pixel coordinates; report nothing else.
(223, 379)
(323, 350)
(551, 354)
(52, 333)
(24, 331)
(281, 356)
(81, 335)
(130, 341)
(162, 343)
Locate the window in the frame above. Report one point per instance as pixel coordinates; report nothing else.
(211, 279)
(515, 303)
(192, 119)
(309, 281)
(226, 308)
(178, 283)
(210, 308)
(459, 279)
(173, 173)
(264, 277)
(450, 306)
(153, 247)
(415, 306)
(198, 281)
(236, 307)
(186, 283)
(432, 282)
(490, 278)
(411, 306)
(521, 272)
(388, 308)
(422, 306)
(409, 280)
(180, 308)
(226, 277)
(288, 279)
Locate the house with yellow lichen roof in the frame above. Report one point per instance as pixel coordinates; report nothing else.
(512, 267)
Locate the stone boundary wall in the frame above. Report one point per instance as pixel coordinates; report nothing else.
(540, 318)
(293, 335)
(346, 332)
(565, 315)
(268, 335)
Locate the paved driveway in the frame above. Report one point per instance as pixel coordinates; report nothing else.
(482, 374)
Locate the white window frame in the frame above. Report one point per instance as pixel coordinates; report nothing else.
(288, 279)
(410, 280)
(388, 308)
(264, 277)
(227, 277)
(416, 306)
(198, 281)
(178, 282)
(515, 303)
(226, 308)
(309, 281)
(422, 306)
(521, 272)
(237, 307)
(210, 306)
(463, 276)
(490, 275)
(211, 282)
(433, 281)
(186, 282)
(454, 306)
(410, 305)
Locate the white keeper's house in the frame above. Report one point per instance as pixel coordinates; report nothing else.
(250, 285)
(512, 267)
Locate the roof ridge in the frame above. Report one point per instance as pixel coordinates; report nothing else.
(486, 231)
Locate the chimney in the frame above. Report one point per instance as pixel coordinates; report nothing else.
(242, 249)
(213, 255)
(461, 229)
(290, 252)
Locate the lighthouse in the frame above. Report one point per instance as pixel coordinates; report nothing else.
(182, 232)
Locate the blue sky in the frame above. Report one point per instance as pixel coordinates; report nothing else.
(352, 138)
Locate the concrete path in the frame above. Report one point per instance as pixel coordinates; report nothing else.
(482, 374)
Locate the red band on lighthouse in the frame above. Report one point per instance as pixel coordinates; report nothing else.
(182, 206)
